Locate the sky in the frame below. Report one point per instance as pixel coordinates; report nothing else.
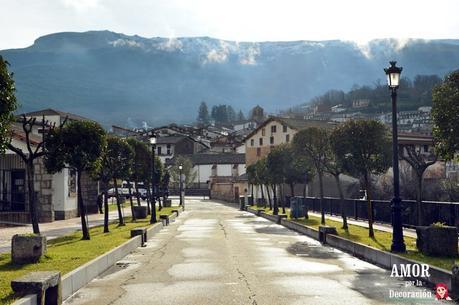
(22, 21)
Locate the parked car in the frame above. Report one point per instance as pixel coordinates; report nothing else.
(124, 192)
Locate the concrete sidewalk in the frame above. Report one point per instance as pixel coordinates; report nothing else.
(215, 254)
(364, 223)
(56, 228)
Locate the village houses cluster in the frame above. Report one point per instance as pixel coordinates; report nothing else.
(219, 156)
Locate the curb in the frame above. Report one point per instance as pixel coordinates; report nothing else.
(79, 277)
(372, 255)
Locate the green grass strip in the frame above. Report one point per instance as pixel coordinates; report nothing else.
(68, 252)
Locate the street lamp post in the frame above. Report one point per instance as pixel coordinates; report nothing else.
(153, 193)
(393, 79)
(181, 187)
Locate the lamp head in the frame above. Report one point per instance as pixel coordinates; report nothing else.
(393, 75)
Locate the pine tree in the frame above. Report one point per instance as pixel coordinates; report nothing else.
(203, 114)
(240, 116)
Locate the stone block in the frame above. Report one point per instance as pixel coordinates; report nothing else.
(324, 230)
(140, 212)
(280, 217)
(142, 232)
(27, 248)
(45, 284)
(164, 219)
(437, 241)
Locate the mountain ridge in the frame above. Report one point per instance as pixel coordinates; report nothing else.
(160, 80)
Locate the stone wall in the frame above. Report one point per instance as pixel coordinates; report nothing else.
(44, 190)
(222, 191)
(90, 190)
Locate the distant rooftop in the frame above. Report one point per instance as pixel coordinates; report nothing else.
(62, 114)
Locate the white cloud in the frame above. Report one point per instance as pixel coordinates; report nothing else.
(126, 43)
(218, 55)
(249, 56)
(171, 44)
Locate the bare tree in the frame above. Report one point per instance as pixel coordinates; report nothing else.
(419, 162)
(34, 151)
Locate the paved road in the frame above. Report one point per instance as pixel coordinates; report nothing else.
(214, 254)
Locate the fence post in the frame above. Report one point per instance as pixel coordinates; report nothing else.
(355, 210)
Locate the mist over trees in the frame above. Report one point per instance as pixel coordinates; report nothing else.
(219, 114)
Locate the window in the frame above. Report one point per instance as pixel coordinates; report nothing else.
(287, 138)
(263, 132)
(168, 149)
(284, 128)
(214, 170)
(258, 151)
(252, 142)
(271, 140)
(260, 141)
(273, 128)
(159, 150)
(426, 148)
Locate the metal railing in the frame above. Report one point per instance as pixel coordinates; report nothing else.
(433, 211)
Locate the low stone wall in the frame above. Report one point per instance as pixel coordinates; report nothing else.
(372, 255)
(62, 215)
(15, 217)
(313, 233)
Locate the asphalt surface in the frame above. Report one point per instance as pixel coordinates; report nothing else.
(215, 254)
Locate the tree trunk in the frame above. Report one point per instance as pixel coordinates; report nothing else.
(137, 194)
(131, 201)
(341, 197)
(160, 206)
(269, 198)
(292, 190)
(321, 192)
(263, 196)
(371, 233)
(32, 200)
(118, 203)
(282, 198)
(84, 225)
(276, 207)
(420, 212)
(106, 209)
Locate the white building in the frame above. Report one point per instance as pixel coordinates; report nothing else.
(56, 193)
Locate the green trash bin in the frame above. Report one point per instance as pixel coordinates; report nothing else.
(297, 207)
